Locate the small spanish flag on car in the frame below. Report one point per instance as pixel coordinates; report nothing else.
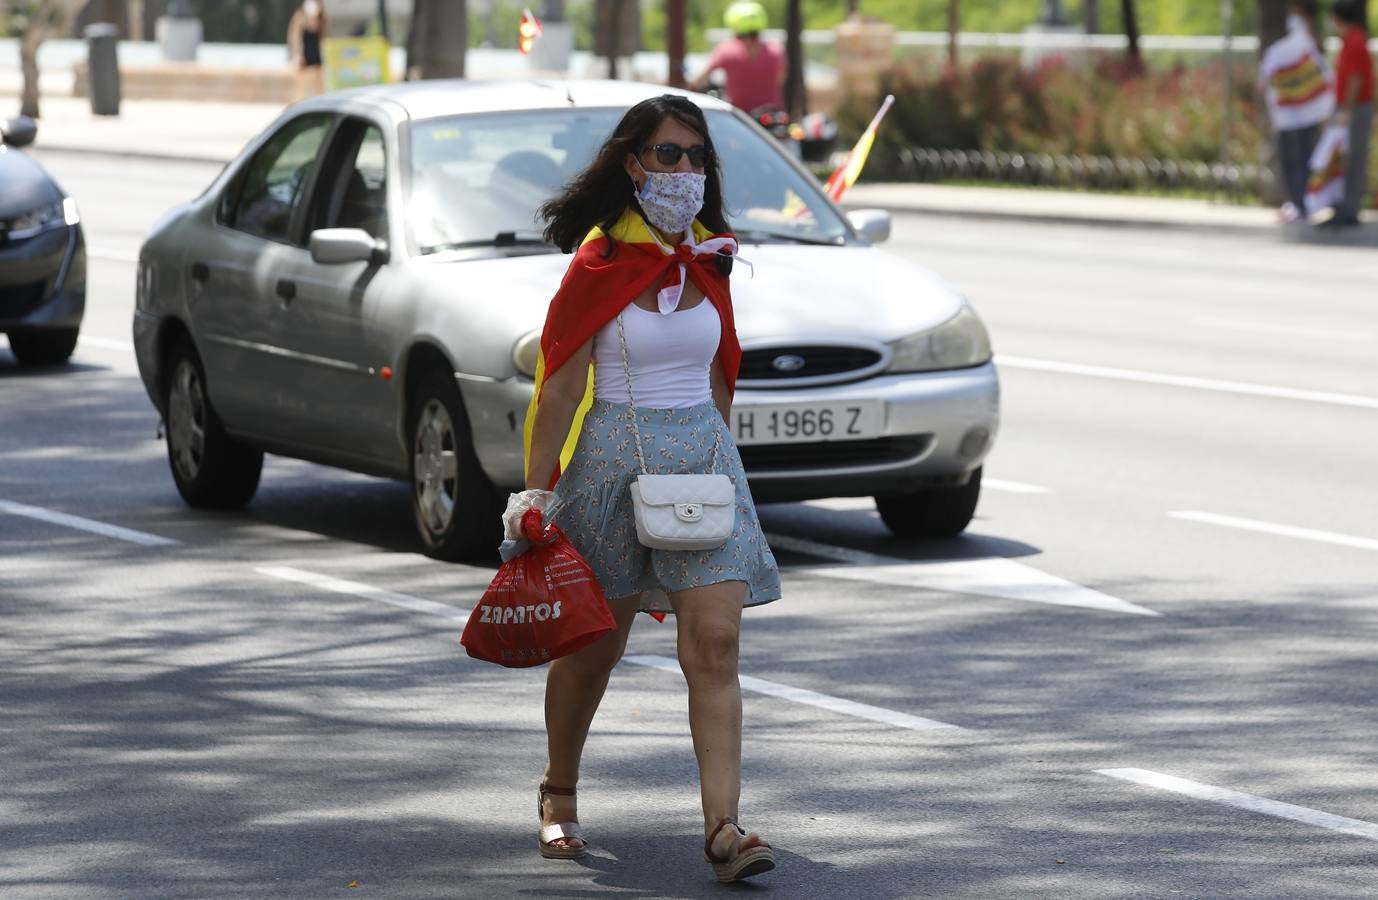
(528, 32)
(847, 173)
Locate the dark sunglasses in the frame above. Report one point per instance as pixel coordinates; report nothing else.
(669, 154)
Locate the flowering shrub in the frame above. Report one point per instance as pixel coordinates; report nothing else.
(1102, 109)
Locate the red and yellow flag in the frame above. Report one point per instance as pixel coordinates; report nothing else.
(596, 288)
(847, 173)
(528, 31)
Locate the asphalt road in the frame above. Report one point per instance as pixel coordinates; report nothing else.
(1156, 643)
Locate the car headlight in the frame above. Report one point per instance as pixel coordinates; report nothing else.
(958, 343)
(526, 352)
(36, 221)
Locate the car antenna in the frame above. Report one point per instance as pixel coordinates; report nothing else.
(569, 95)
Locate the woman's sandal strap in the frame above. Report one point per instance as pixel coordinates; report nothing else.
(567, 831)
(708, 842)
(547, 788)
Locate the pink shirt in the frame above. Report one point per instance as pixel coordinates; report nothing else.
(753, 79)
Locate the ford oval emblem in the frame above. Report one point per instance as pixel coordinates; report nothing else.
(788, 362)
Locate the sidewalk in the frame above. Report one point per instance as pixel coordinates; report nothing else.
(216, 132)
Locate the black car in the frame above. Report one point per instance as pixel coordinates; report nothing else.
(42, 255)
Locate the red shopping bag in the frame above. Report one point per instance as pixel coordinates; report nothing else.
(541, 605)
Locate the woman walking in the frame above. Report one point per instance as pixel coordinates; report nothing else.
(305, 32)
(646, 304)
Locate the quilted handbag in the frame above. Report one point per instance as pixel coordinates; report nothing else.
(683, 511)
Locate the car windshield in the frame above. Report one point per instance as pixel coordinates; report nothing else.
(478, 180)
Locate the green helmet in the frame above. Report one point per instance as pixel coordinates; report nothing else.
(746, 17)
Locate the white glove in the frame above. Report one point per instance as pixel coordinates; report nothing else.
(518, 504)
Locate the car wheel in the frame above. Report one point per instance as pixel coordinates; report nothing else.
(457, 509)
(43, 348)
(932, 512)
(212, 470)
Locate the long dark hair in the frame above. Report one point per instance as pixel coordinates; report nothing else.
(601, 194)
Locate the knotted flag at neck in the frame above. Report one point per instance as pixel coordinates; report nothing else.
(597, 286)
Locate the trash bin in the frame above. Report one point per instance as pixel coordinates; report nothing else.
(103, 68)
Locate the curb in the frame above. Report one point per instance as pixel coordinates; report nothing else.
(1085, 220)
(111, 153)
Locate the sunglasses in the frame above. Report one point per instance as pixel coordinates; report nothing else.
(669, 154)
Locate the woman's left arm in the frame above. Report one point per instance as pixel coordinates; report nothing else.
(722, 397)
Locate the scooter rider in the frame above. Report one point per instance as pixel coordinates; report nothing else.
(755, 69)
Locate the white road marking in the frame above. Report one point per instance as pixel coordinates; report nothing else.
(844, 504)
(1305, 534)
(101, 343)
(113, 531)
(810, 698)
(1360, 401)
(124, 256)
(757, 685)
(1013, 487)
(1351, 337)
(354, 588)
(1239, 800)
(1002, 578)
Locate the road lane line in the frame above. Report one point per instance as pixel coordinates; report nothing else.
(1359, 401)
(1305, 534)
(124, 256)
(1013, 487)
(101, 343)
(997, 577)
(354, 588)
(1354, 337)
(810, 698)
(1250, 802)
(90, 525)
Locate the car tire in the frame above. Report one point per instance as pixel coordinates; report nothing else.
(932, 512)
(212, 470)
(457, 510)
(49, 347)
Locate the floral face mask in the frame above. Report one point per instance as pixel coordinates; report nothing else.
(670, 200)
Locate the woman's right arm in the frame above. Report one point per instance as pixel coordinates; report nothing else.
(560, 397)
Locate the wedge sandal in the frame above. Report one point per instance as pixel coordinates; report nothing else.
(753, 855)
(559, 831)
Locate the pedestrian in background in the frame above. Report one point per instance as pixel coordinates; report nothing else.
(754, 69)
(1354, 102)
(646, 303)
(1296, 80)
(305, 32)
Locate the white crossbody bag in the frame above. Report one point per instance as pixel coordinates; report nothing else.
(678, 512)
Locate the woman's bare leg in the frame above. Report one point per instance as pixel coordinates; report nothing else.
(574, 687)
(709, 620)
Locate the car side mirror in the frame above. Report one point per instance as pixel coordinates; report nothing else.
(872, 224)
(333, 246)
(18, 132)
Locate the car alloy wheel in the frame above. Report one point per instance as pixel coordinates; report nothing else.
(435, 467)
(186, 420)
(212, 470)
(457, 510)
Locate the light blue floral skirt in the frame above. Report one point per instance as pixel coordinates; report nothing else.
(595, 505)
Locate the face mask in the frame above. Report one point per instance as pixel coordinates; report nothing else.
(670, 200)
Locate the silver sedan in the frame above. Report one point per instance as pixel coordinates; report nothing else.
(365, 285)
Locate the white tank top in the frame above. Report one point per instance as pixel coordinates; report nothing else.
(669, 354)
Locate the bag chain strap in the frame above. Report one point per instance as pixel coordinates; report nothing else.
(631, 403)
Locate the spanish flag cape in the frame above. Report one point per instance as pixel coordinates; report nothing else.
(595, 289)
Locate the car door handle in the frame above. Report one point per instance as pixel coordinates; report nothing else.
(200, 272)
(287, 290)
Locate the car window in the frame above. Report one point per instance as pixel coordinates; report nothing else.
(473, 177)
(272, 184)
(357, 195)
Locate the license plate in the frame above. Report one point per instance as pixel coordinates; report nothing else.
(808, 423)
